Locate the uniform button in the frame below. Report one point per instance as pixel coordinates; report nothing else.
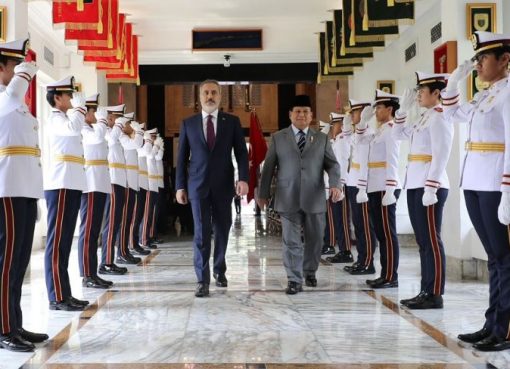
(481, 110)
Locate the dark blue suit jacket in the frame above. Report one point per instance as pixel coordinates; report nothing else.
(200, 170)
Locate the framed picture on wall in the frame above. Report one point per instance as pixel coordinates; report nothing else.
(445, 57)
(480, 17)
(475, 85)
(386, 86)
(3, 23)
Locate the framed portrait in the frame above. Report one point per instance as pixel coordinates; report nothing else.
(480, 17)
(445, 57)
(475, 85)
(3, 23)
(386, 86)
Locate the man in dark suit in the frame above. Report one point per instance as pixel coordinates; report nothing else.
(300, 155)
(205, 176)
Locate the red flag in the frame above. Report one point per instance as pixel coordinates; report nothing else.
(258, 149)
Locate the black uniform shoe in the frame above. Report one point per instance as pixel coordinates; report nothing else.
(128, 259)
(14, 342)
(311, 281)
(406, 301)
(362, 270)
(426, 301)
(202, 290)
(65, 306)
(157, 241)
(475, 336)
(293, 288)
(140, 250)
(492, 343)
(32, 337)
(328, 250)
(103, 281)
(385, 284)
(371, 282)
(90, 282)
(341, 257)
(152, 246)
(348, 268)
(112, 269)
(78, 302)
(221, 280)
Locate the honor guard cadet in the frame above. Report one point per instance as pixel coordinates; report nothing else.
(383, 186)
(354, 171)
(19, 156)
(64, 184)
(486, 175)
(116, 198)
(339, 210)
(329, 232)
(141, 205)
(152, 194)
(426, 182)
(161, 191)
(131, 140)
(93, 199)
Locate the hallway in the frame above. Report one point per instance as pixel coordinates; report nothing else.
(151, 319)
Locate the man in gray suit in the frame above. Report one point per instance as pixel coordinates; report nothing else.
(300, 155)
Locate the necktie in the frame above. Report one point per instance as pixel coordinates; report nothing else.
(301, 141)
(211, 137)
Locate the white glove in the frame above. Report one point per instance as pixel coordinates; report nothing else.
(78, 100)
(101, 114)
(26, 67)
(362, 196)
(407, 101)
(389, 197)
(504, 208)
(158, 142)
(429, 196)
(142, 125)
(136, 126)
(347, 124)
(38, 216)
(460, 74)
(147, 136)
(366, 114)
(122, 121)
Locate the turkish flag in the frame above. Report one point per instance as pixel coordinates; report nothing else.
(258, 150)
(76, 11)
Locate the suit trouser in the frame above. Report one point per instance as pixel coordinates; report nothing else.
(148, 215)
(136, 226)
(337, 225)
(91, 215)
(128, 214)
(302, 259)
(113, 219)
(208, 213)
(63, 207)
(426, 222)
(482, 208)
(385, 227)
(363, 229)
(17, 224)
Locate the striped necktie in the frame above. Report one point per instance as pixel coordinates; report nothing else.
(301, 141)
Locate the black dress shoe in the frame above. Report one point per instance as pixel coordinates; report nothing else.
(362, 270)
(140, 250)
(78, 302)
(65, 306)
(385, 284)
(202, 290)
(311, 281)
(341, 257)
(14, 342)
(33, 337)
(221, 280)
(328, 250)
(293, 288)
(348, 268)
(492, 343)
(426, 301)
(112, 269)
(90, 282)
(475, 336)
(152, 246)
(406, 301)
(371, 282)
(103, 281)
(127, 259)
(157, 240)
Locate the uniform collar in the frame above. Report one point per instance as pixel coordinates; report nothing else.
(501, 83)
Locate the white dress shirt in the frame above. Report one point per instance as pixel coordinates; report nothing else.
(214, 120)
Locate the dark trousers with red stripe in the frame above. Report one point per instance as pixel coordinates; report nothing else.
(17, 223)
(482, 208)
(426, 222)
(363, 228)
(136, 226)
(63, 207)
(337, 225)
(113, 220)
(385, 227)
(91, 216)
(148, 216)
(128, 215)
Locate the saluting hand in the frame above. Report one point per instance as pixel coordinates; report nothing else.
(78, 100)
(26, 67)
(459, 74)
(366, 114)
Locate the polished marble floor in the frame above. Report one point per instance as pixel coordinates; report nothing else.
(151, 319)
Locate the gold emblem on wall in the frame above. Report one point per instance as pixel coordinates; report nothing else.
(480, 17)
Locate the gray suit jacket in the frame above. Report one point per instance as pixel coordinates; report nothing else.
(300, 176)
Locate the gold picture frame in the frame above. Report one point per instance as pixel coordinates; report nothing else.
(480, 17)
(387, 86)
(3, 23)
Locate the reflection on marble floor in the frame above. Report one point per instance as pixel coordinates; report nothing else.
(151, 316)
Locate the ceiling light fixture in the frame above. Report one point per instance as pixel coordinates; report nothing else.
(226, 63)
